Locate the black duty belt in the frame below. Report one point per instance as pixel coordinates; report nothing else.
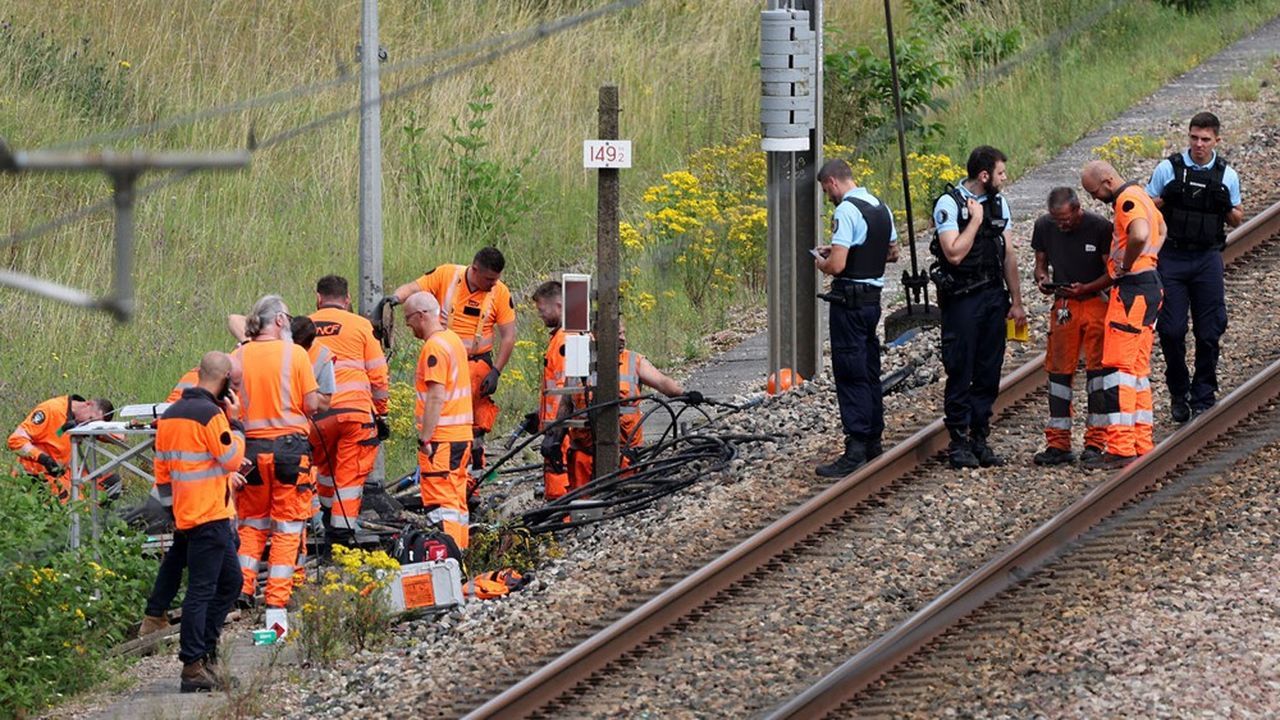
(852, 294)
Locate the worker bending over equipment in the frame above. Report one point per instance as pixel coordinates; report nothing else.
(634, 370)
(42, 445)
(474, 303)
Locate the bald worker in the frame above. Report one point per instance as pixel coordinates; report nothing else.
(1132, 308)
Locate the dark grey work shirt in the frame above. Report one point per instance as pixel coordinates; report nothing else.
(1078, 256)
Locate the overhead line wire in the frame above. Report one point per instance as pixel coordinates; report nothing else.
(538, 31)
(530, 36)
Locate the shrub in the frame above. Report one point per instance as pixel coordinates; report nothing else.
(347, 610)
(483, 196)
(858, 94)
(62, 609)
(1126, 152)
(500, 546)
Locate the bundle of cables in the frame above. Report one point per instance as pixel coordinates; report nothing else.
(676, 460)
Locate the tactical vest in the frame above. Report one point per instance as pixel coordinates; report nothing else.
(1196, 203)
(867, 261)
(984, 264)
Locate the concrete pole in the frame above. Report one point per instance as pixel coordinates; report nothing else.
(370, 182)
(605, 421)
(370, 161)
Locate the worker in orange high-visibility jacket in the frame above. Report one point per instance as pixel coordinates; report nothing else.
(443, 417)
(1136, 293)
(41, 443)
(345, 437)
(303, 331)
(475, 304)
(198, 454)
(1074, 243)
(547, 299)
(278, 392)
(634, 371)
(188, 380)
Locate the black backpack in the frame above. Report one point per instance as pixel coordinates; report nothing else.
(415, 545)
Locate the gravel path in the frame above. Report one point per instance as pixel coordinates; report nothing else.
(1169, 610)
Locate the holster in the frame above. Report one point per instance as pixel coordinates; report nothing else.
(851, 295)
(952, 285)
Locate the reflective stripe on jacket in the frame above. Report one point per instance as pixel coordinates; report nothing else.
(196, 449)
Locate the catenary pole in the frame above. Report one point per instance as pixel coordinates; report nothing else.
(370, 266)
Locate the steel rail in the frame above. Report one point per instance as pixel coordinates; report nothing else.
(1045, 542)
(662, 611)
(1029, 554)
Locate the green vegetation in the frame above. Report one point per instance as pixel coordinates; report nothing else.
(347, 608)
(62, 609)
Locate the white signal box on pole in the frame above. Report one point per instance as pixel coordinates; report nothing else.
(576, 320)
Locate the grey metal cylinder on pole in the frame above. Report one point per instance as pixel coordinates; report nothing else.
(370, 266)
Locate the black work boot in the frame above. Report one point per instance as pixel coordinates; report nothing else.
(197, 678)
(1108, 461)
(1090, 454)
(874, 449)
(982, 451)
(1180, 410)
(854, 457)
(960, 452)
(1053, 456)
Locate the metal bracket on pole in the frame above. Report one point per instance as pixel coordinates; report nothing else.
(123, 170)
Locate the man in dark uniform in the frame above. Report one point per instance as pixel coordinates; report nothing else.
(1198, 194)
(978, 288)
(1074, 243)
(861, 237)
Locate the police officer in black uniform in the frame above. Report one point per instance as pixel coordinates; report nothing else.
(862, 236)
(1198, 194)
(977, 277)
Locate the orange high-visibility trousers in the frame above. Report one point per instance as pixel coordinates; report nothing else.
(582, 464)
(444, 488)
(555, 482)
(269, 508)
(1126, 356)
(484, 412)
(345, 443)
(1075, 329)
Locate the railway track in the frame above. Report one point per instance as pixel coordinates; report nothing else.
(1249, 414)
(754, 594)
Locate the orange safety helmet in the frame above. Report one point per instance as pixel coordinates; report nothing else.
(788, 377)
